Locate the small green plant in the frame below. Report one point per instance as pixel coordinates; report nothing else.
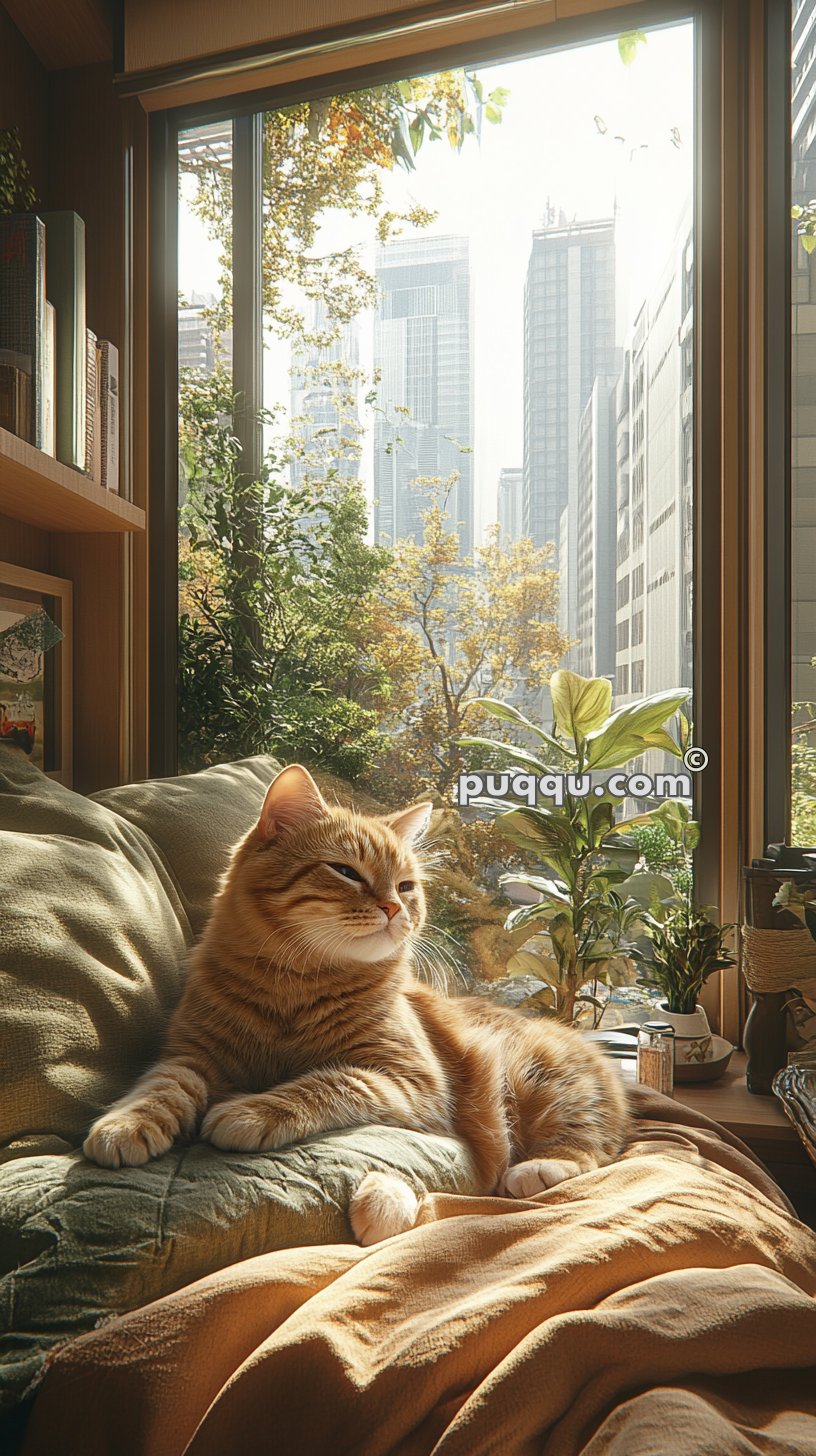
(686, 947)
(581, 926)
(16, 191)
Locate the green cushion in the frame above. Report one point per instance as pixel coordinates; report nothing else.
(78, 1243)
(195, 820)
(93, 939)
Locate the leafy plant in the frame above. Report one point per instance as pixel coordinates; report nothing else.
(277, 591)
(582, 921)
(667, 844)
(686, 948)
(17, 193)
(805, 216)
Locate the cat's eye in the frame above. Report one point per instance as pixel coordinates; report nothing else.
(348, 872)
(406, 887)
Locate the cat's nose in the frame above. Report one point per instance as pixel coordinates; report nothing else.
(390, 908)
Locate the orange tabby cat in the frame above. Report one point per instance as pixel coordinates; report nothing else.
(300, 1014)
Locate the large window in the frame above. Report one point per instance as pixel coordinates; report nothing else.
(472, 460)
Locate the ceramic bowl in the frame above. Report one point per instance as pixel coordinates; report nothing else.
(708, 1071)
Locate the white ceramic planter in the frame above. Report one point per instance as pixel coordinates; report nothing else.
(692, 1034)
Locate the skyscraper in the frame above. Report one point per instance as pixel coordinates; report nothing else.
(594, 529)
(508, 505)
(423, 347)
(323, 388)
(656, 484)
(569, 340)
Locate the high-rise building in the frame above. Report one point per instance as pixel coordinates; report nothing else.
(508, 505)
(423, 350)
(324, 379)
(196, 343)
(655, 486)
(594, 524)
(569, 340)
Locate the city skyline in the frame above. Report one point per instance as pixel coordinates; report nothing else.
(548, 145)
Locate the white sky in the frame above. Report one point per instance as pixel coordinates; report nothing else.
(495, 192)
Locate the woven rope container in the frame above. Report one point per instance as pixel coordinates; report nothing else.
(775, 960)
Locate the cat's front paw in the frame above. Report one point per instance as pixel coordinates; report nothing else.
(245, 1125)
(381, 1207)
(126, 1140)
(525, 1180)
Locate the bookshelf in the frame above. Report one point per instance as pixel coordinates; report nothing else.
(87, 151)
(39, 490)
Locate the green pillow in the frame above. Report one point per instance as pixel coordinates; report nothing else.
(80, 1243)
(93, 939)
(196, 820)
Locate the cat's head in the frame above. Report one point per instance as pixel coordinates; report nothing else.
(331, 884)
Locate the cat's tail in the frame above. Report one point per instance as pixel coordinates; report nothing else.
(381, 1207)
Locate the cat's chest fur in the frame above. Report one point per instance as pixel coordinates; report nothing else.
(265, 1043)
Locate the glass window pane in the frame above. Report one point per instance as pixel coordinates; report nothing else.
(478, 370)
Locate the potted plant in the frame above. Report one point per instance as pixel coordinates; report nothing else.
(685, 947)
(583, 922)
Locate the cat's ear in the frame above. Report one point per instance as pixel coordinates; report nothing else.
(292, 799)
(410, 824)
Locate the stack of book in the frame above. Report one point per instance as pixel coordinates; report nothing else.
(59, 384)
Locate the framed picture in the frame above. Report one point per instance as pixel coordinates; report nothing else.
(36, 701)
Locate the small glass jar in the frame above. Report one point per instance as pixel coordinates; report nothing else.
(655, 1056)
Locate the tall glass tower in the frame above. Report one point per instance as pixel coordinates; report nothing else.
(423, 350)
(569, 341)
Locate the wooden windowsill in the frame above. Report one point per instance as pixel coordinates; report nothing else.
(728, 1101)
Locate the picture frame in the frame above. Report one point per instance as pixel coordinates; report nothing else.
(44, 700)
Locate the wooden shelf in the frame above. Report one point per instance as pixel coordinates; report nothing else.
(37, 489)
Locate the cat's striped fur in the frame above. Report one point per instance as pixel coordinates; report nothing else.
(300, 1014)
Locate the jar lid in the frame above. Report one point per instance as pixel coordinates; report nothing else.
(664, 1027)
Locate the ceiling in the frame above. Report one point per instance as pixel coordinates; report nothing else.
(64, 32)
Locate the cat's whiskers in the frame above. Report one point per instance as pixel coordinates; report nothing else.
(430, 949)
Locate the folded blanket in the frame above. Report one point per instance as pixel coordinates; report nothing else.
(661, 1306)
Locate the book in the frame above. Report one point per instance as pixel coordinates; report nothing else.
(22, 307)
(107, 360)
(90, 402)
(65, 275)
(50, 380)
(15, 398)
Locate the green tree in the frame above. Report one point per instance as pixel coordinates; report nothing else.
(452, 628)
(329, 154)
(273, 638)
(279, 586)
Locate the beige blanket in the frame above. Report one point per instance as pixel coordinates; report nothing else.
(661, 1307)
